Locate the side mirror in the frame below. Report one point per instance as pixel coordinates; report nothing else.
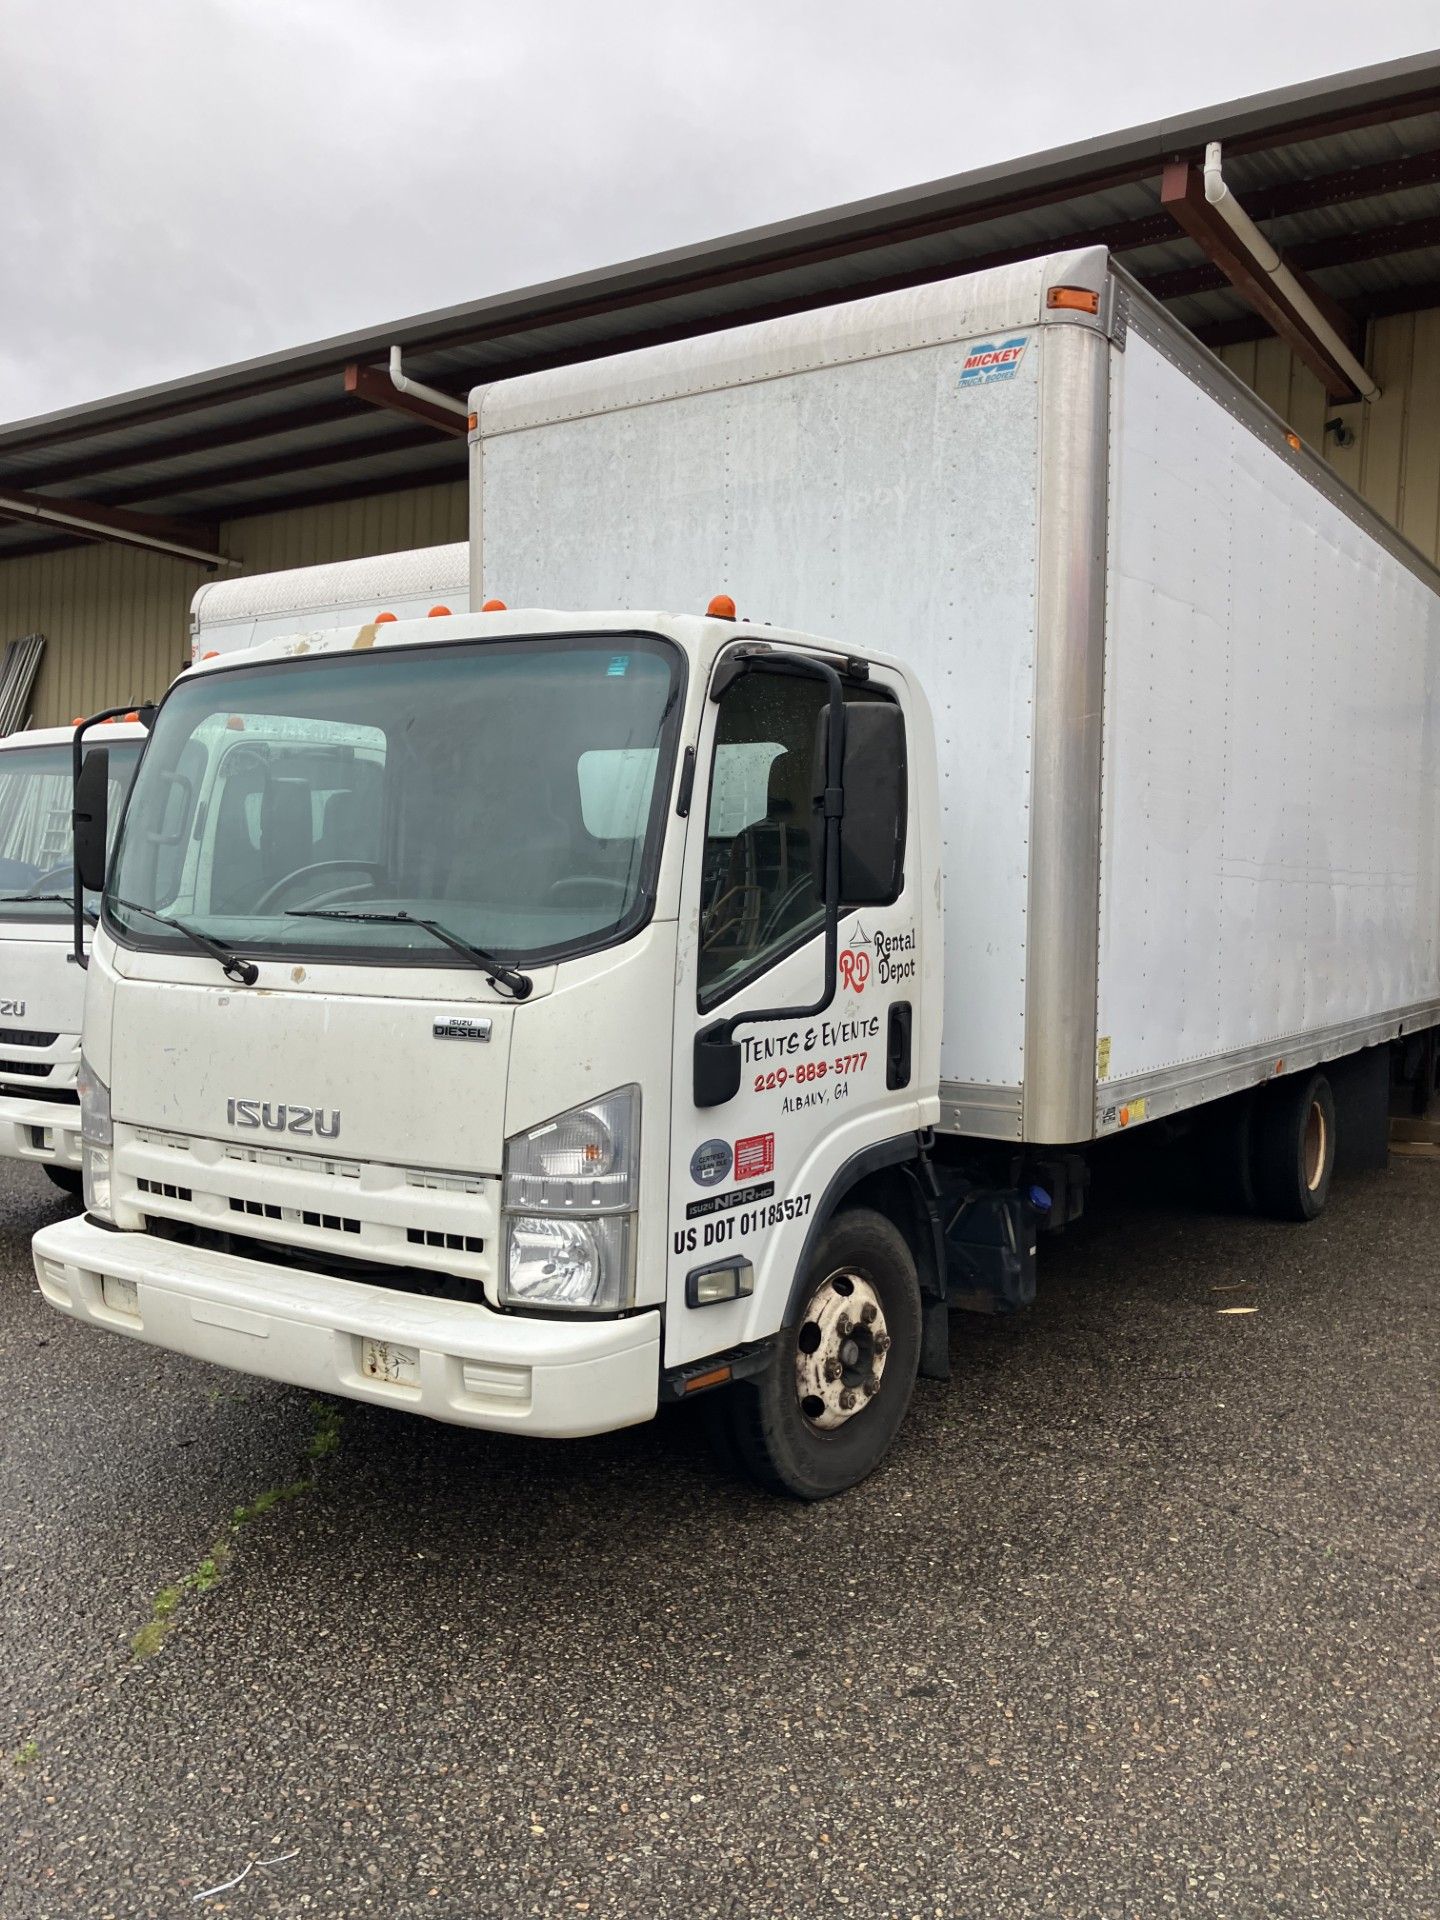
(717, 1066)
(92, 805)
(872, 830)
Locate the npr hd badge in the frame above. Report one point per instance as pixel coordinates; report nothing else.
(991, 360)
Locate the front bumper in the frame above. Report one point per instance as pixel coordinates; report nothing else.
(43, 1130)
(449, 1360)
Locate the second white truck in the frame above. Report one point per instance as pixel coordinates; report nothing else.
(42, 990)
(525, 1017)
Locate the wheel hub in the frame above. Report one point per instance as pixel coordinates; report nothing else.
(840, 1350)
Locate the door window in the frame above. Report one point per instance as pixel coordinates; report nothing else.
(761, 892)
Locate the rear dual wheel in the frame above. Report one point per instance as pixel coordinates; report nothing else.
(1293, 1146)
(824, 1413)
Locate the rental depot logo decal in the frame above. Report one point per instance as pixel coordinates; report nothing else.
(888, 957)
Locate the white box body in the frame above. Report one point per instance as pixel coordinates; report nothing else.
(1184, 681)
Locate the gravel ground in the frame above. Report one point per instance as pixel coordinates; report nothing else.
(1141, 1617)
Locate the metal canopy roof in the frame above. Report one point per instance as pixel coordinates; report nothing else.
(1343, 173)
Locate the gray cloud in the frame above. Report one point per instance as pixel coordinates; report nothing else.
(188, 182)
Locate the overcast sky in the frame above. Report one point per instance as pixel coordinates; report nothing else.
(188, 182)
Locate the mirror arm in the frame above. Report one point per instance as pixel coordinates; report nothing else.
(146, 711)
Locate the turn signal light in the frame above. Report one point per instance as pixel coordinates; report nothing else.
(381, 618)
(716, 1377)
(1080, 299)
(494, 606)
(722, 607)
(438, 613)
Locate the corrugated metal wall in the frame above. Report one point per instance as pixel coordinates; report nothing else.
(117, 620)
(1395, 459)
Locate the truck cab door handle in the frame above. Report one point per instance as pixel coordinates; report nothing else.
(897, 1045)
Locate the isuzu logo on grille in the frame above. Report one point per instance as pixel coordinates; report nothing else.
(275, 1117)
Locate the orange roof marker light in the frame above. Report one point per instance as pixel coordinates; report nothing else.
(438, 613)
(721, 607)
(381, 618)
(494, 606)
(1078, 299)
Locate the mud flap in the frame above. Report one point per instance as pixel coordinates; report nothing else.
(935, 1341)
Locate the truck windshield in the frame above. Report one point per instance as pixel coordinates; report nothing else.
(37, 873)
(511, 791)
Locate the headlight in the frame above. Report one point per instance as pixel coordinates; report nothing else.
(96, 1138)
(569, 1196)
(95, 1127)
(586, 1161)
(567, 1262)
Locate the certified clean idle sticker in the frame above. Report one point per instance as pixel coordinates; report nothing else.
(710, 1163)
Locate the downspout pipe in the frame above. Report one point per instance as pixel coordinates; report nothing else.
(1267, 258)
(417, 389)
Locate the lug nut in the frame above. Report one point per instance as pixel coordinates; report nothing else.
(847, 1399)
(867, 1313)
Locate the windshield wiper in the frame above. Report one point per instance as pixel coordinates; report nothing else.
(496, 972)
(48, 899)
(245, 971)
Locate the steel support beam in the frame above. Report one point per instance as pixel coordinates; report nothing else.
(375, 385)
(1182, 194)
(175, 537)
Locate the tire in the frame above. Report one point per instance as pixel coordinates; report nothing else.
(1293, 1141)
(1228, 1154)
(68, 1179)
(823, 1415)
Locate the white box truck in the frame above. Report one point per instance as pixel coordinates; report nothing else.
(419, 583)
(42, 991)
(600, 1007)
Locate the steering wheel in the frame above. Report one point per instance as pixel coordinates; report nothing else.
(369, 869)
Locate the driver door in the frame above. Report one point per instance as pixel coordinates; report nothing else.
(749, 1176)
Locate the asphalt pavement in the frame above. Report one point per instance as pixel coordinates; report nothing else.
(1140, 1618)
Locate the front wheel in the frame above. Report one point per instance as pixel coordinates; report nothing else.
(824, 1414)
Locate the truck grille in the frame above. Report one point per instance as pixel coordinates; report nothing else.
(40, 1069)
(165, 1190)
(25, 1037)
(311, 1203)
(267, 1210)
